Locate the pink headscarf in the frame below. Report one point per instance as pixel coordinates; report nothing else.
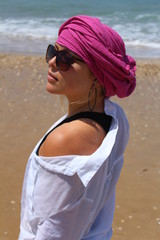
(104, 52)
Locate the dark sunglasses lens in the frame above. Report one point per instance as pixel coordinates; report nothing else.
(51, 52)
(63, 60)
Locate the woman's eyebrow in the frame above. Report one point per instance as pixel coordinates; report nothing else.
(56, 46)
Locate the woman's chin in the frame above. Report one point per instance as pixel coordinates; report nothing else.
(53, 89)
(50, 88)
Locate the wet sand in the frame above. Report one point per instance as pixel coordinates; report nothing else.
(27, 111)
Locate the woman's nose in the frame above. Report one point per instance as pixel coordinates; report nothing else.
(52, 62)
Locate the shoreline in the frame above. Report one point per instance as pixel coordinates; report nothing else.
(32, 54)
(27, 111)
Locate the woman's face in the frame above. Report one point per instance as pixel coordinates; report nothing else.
(74, 83)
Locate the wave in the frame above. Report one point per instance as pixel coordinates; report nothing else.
(35, 28)
(136, 34)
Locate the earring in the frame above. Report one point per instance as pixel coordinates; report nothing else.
(104, 91)
(92, 90)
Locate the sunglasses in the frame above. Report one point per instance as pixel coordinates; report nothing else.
(64, 59)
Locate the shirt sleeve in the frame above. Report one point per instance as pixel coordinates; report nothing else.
(60, 205)
(68, 224)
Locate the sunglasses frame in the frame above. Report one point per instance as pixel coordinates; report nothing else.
(71, 58)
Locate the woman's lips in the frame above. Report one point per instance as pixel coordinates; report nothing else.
(51, 77)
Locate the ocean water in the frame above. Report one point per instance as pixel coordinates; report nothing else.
(28, 26)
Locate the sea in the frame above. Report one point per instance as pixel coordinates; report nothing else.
(28, 26)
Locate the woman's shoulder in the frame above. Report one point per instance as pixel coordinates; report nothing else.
(78, 137)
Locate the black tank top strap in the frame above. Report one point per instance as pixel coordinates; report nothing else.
(101, 118)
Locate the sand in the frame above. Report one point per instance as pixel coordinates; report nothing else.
(27, 111)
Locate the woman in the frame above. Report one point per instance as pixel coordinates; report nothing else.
(69, 185)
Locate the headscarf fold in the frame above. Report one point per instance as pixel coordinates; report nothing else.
(104, 52)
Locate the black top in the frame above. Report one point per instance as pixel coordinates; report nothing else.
(101, 118)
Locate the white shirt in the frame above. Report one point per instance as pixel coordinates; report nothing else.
(72, 197)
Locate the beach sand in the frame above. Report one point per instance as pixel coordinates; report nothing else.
(27, 111)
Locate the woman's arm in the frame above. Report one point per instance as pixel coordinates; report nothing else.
(64, 204)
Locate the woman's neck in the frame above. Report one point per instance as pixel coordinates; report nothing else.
(86, 102)
(77, 106)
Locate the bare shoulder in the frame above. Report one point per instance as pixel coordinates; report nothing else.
(79, 137)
